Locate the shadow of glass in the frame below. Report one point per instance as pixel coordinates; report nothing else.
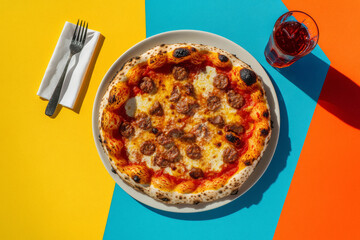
(339, 95)
(255, 194)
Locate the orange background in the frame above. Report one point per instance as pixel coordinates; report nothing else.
(324, 197)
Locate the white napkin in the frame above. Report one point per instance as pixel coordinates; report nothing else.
(77, 68)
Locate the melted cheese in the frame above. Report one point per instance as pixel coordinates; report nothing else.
(203, 81)
(211, 151)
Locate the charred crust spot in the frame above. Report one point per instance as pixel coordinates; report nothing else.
(136, 178)
(264, 132)
(196, 202)
(266, 114)
(193, 49)
(139, 188)
(137, 58)
(163, 44)
(181, 52)
(234, 140)
(165, 199)
(223, 58)
(247, 162)
(122, 67)
(272, 124)
(248, 76)
(112, 99)
(113, 170)
(100, 140)
(234, 192)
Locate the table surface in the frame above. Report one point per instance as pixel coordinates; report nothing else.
(55, 186)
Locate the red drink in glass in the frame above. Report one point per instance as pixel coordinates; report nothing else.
(295, 34)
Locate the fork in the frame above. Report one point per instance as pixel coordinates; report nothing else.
(76, 45)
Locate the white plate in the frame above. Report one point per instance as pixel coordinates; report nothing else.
(191, 36)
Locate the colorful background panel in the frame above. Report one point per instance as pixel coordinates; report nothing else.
(54, 185)
(322, 202)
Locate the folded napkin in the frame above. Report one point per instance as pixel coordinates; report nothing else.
(77, 68)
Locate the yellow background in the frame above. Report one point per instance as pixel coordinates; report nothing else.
(53, 183)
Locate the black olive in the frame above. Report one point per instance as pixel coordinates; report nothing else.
(154, 130)
(248, 76)
(181, 52)
(223, 58)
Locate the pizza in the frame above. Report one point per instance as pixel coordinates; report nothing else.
(185, 123)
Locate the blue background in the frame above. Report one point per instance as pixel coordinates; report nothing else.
(256, 213)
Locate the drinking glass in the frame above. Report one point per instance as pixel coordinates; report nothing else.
(294, 35)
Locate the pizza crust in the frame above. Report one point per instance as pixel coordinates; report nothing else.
(173, 197)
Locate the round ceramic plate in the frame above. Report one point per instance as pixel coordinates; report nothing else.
(191, 36)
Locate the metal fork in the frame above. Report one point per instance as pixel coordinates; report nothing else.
(77, 43)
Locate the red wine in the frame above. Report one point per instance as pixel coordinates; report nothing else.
(292, 38)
